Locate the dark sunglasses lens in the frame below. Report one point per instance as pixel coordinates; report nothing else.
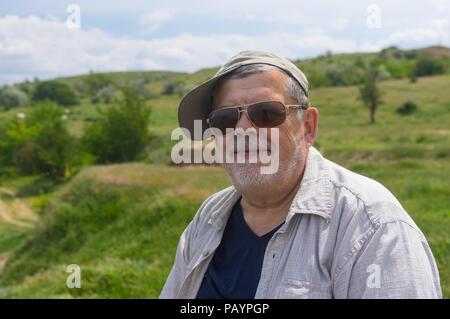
(223, 119)
(267, 114)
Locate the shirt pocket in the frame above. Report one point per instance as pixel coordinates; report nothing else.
(291, 288)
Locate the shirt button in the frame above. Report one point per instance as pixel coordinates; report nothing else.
(205, 252)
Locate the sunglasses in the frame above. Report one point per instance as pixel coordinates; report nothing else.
(261, 114)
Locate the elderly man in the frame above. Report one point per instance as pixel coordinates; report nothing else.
(312, 229)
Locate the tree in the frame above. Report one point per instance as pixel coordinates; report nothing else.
(57, 92)
(122, 132)
(12, 96)
(370, 94)
(53, 142)
(412, 75)
(39, 144)
(173, 86)
(140, 87)
(429, 66)
(96, 81)
(105, 94)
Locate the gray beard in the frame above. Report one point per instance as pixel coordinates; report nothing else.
(246, 175)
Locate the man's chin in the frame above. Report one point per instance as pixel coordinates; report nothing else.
(244, 175)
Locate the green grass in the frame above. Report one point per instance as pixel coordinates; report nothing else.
(121, 223)
(11, 237)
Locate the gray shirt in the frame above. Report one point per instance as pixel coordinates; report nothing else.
(345, 236)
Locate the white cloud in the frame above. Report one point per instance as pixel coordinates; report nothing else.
(49, 48)
(35, 47)
(339, 23)
(439, 23)
(250, 17)
(154, 20)
(441, 5)
(416, 37)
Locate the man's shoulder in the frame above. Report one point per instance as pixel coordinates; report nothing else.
(373, 198)
(213, 206)
(219, 198)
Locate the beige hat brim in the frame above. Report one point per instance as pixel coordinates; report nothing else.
(196, 105)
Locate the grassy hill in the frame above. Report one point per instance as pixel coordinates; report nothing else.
(121, 223)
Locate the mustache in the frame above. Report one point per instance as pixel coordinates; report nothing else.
(248, 148)
(246, 143)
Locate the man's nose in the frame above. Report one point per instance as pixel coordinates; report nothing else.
(244, 121)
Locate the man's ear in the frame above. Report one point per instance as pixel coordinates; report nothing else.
(310, 122)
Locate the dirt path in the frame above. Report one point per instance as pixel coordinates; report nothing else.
(9, 212)
(3, 260)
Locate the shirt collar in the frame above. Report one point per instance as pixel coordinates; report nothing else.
(313, 196)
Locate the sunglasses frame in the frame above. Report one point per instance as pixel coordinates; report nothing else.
(243, 108)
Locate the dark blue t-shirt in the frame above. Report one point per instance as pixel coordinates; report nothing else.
(236, 266)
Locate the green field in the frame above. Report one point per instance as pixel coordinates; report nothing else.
(121, 223)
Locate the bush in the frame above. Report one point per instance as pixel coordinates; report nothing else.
(26, 158)
(40, 144)
(105, 94)
(397, 68)
(4, 124)
(351, 75)
(15, 136)
(412, 75)
(383, 73)
(359, 63)
(140, 88)
(407, 108)
(333, 74)
(26, 87)
(173, 87)
(57, 92)
(429, 66)
(96, 81)
(54, 142)
(318, 79)
(389, 52)
(410, 55)
(13, 97)
(81, 88)
(121, 133)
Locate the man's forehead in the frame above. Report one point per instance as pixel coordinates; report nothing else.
(259, 86)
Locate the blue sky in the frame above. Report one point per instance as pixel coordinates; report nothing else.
(35, 39)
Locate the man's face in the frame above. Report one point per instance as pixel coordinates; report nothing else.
(292, 145)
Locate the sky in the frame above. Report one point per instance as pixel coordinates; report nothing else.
(53, 38)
